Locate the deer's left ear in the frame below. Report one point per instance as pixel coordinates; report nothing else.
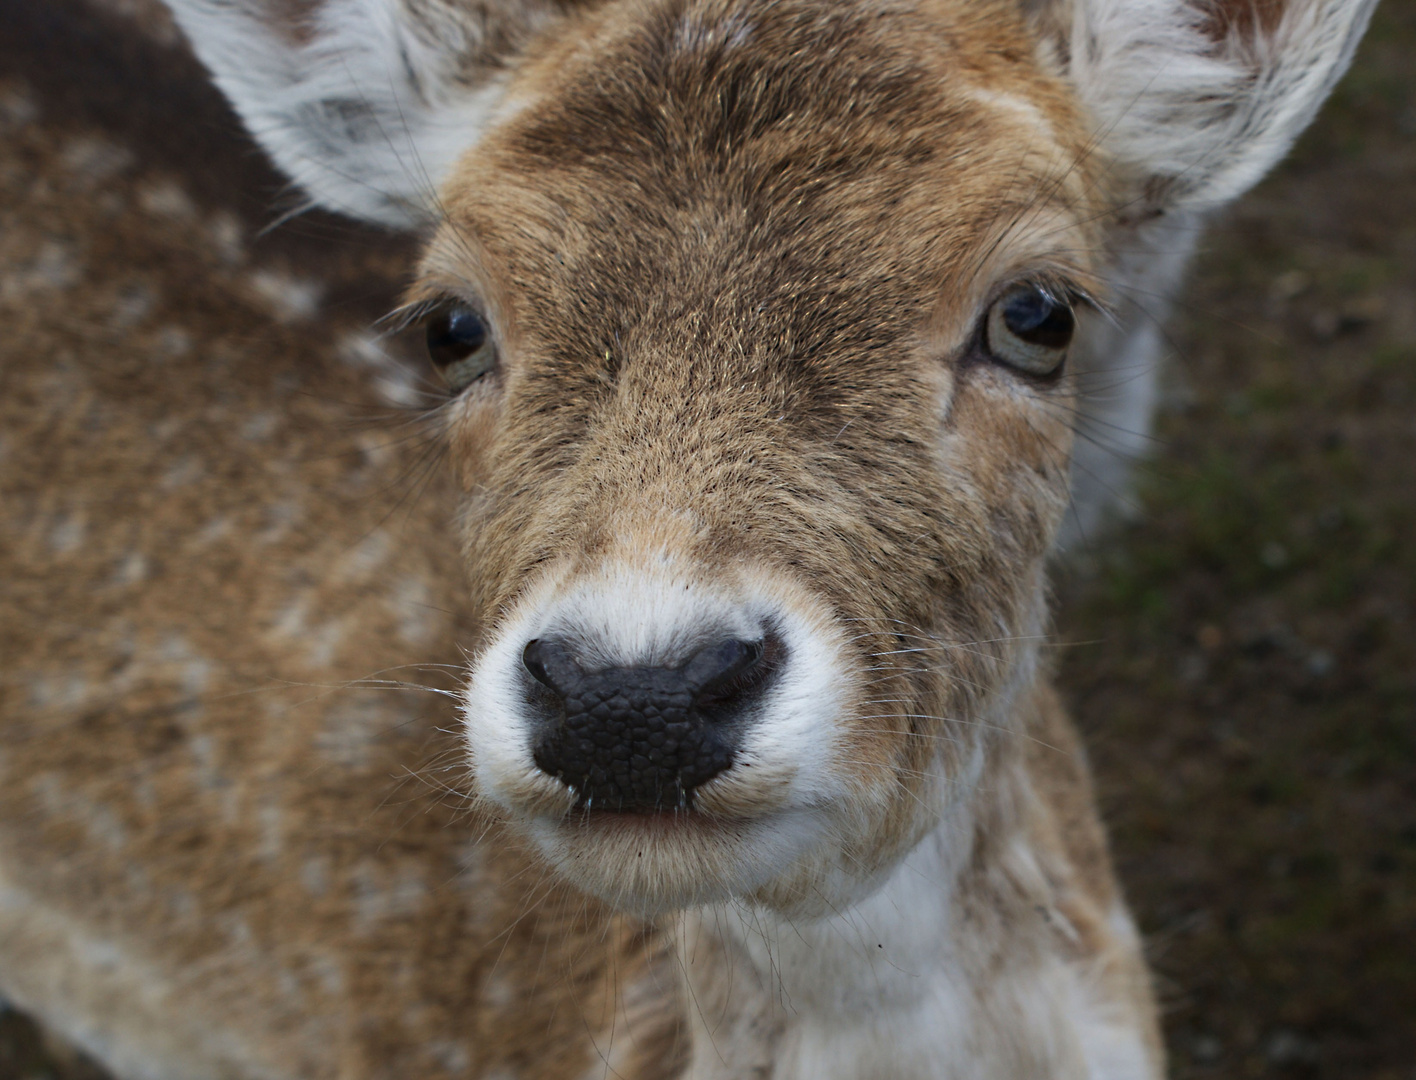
(1199, 98)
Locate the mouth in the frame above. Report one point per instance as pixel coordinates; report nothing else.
(675, 801)
(651, 820)
(653, 861)
(684, 751)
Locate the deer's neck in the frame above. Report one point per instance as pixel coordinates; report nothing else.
(859, 994)
(980, 955)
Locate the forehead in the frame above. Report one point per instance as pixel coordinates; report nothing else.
(725, 155)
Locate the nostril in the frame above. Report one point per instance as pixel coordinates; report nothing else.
(713, 667)
(532, 660)
(551, 665)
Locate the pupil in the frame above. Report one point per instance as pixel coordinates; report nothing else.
(1038, 319)
(454, 335)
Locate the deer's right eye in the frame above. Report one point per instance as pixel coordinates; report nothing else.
(460, 345)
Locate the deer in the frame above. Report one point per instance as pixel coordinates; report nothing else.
(768, 336)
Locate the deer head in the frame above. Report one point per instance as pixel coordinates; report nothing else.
(762, 327)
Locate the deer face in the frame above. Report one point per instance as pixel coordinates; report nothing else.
(757, 317)
(764, 433)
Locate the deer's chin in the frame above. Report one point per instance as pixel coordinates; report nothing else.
(657, 862)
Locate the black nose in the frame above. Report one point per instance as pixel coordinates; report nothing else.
(638, 738)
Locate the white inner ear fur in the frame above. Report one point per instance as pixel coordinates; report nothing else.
(367, 110)
(1209, 118)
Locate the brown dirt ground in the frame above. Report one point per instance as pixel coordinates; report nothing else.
(1242, 656)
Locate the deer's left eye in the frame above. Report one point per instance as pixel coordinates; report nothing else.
(1029, 328)
(460, 345)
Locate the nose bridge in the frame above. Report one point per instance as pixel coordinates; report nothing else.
(647, 653)
(673, 459)
(642, 606)
(650, 524)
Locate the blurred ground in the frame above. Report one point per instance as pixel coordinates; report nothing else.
(1242, 657)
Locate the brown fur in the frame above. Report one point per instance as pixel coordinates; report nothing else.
(205, 537)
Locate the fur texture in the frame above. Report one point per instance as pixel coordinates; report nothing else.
(735, 259)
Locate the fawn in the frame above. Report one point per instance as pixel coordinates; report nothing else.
(765, 329)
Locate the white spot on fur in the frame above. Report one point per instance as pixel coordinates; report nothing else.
(362, 349)
(185, 470)
(374, 449)
(322, 643)
(394, 381)
(288, 987)
(314, 875)
(362, 560)
(17, 107)
(351, 731)
(193, 670)
(410, 599)
(132, 569)
(68, 533)
(165, 199)
(356, 728)
(238, 932)
(328, 972)
(280, 519)
(213, 530)
(181, 904)
(205, 755)
(173, 342)
(291, 620)
(259, 427)
(61, 691)
(228, 237)
(499, 993)
(55, 266)
(454, 1056)
(272, 828)
(70, 803)
(399, 388)
(164, 430)
(102, 955)
(377, 899)
(1019, 108)
(288, 299)
(95, 160)
(133, 304)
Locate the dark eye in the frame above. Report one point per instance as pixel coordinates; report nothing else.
(1029, 328)
(460, 345)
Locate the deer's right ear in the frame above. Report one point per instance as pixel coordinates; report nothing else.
(366, 104)
(1197, 99)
